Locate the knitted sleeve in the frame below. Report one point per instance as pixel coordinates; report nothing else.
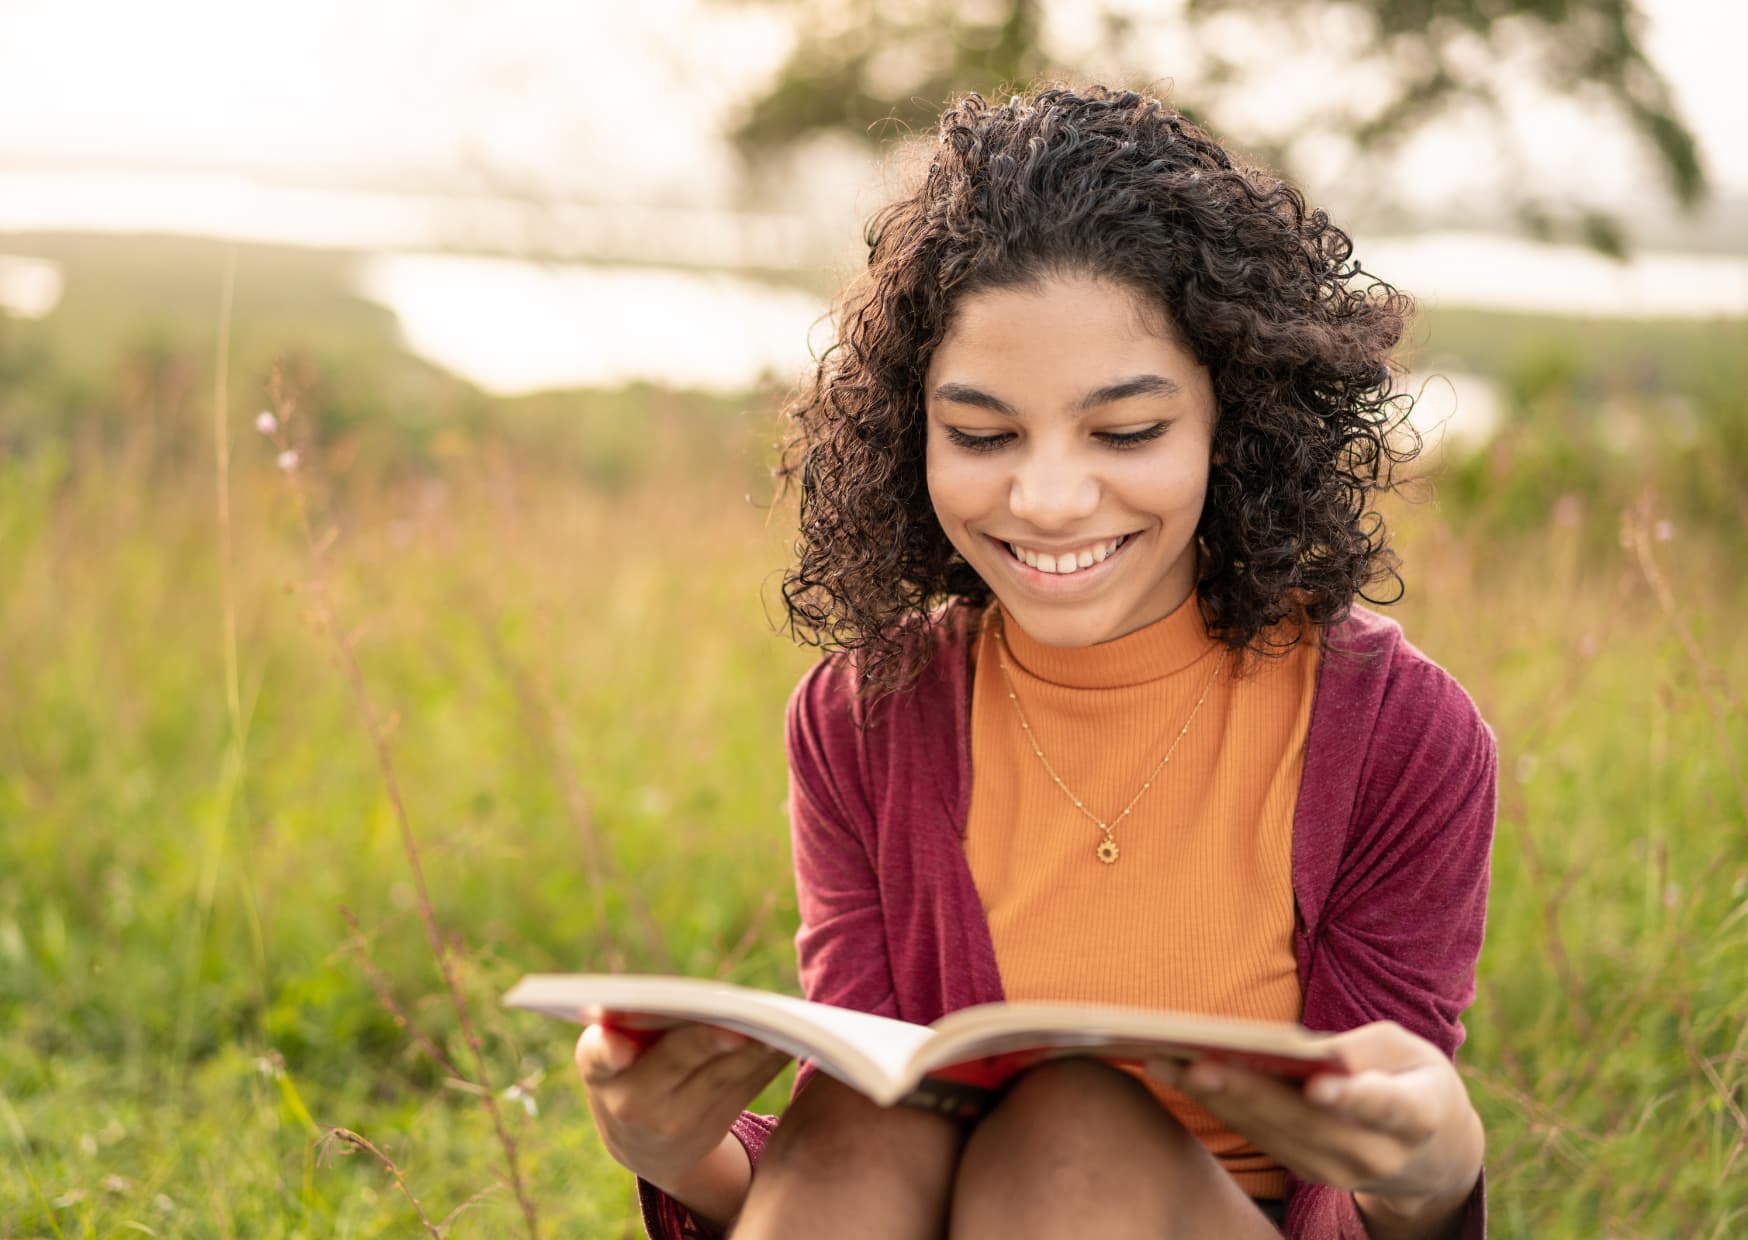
(840, 946)
(1399, 930)
(666, 1219)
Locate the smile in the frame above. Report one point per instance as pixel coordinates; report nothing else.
(1066, 563)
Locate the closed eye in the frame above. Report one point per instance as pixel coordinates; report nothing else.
(977, 443)
(1133, 439)
(1115, 439)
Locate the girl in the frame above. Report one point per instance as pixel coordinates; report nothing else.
(1087, 489)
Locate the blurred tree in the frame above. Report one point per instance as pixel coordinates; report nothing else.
(870, 68)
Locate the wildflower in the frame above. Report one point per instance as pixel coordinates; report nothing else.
(287, 460)
(266, 423)
(516, 1093)
(1663, 531)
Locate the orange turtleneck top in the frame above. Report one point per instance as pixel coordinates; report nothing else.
(1196, 913)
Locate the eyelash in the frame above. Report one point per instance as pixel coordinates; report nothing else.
(1121, 441)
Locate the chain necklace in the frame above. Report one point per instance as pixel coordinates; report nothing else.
(1107, 851)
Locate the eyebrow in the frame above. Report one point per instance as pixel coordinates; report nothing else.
(1126, 389)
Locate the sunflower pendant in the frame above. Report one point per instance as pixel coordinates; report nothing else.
(1108, 851)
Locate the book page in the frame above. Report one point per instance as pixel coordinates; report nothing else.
(889, 1045)
(870, 1053)
(1002, 1035)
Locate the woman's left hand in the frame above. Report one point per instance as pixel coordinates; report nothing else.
(1399, 1132)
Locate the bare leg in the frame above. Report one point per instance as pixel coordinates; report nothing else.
(1080, 1149)
(840, 1166)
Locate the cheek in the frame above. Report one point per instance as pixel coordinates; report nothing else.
(940, 492)
(1172, 489)
(959, 490)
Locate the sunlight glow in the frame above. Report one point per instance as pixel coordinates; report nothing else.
(514, 327)
(29, 287)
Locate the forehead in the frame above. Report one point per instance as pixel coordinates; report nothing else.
(1072, 324)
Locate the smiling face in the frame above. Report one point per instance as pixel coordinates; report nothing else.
(1069, 435)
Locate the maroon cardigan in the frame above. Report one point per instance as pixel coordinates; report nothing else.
(1391, 839)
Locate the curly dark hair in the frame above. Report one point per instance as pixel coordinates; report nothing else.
(1260, 289)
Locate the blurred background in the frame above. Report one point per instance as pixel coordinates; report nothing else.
(388, 550)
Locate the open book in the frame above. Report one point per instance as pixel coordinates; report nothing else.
(955, 1065)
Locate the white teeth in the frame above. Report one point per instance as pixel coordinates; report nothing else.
(1047, 562)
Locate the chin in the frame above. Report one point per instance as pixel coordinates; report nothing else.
(1062, 628)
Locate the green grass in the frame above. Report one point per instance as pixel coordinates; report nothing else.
(564, 603)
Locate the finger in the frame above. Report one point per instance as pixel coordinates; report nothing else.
(1273, 1114)
(1399, 1104)
(603, 1054)
(1385, 1045)
(1313, 1141)
(1229, 1090)
(1206, 1078)
(660, 1069)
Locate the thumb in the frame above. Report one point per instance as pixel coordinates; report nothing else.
(602, 1053)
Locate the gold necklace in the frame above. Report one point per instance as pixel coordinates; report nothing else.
(1107, 851)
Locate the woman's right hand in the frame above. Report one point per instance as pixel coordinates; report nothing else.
(663, 1112)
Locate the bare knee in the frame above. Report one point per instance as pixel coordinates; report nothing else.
(1074, 1144)
(1078, 1148)
(1072, 1104)
(831, 1129)
(840, 1165)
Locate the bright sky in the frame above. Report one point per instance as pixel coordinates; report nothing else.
(389, 91)
(335, 122)
(528, 92)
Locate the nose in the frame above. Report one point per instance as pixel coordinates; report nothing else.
(1053, 491)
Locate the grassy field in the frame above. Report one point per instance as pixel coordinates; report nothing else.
(560, 612)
